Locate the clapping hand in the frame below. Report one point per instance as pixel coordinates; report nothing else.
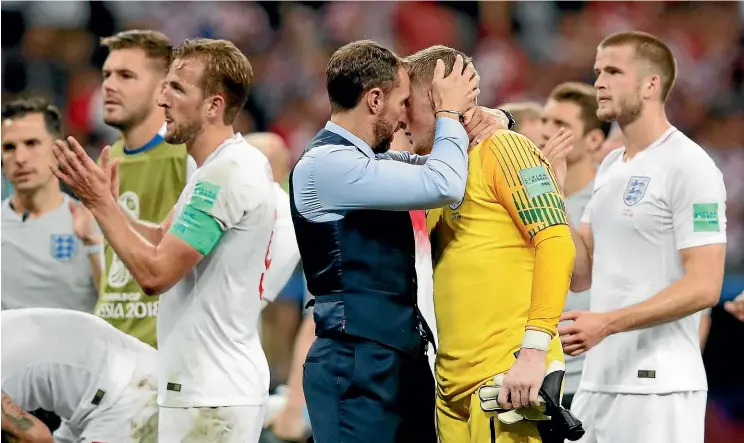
(90, 182)
(83, 224)
(555, 151)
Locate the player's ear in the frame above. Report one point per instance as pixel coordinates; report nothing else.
(594, 140)
(651, 86)
(214, 105)
(431, 99)
(375, 100)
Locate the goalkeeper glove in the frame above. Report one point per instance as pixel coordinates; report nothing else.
(562, 422)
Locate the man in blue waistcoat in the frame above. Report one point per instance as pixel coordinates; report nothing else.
(366, 376)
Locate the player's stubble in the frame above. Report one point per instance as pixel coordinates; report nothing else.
(628, 109)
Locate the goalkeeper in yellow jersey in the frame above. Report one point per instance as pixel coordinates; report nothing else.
(500, 283)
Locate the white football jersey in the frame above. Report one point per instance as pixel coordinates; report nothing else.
(669, 197)
(68, 362)
(208, 322)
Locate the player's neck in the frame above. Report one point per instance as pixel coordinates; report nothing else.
(141, 135)
(646, 129)
(356, 125)
(579, 175)
(208, 140)
(38, 201)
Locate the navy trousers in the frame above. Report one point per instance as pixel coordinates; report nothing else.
(359, 391)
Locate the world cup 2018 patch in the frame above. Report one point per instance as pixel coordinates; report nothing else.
(705, 217)
(537, 181)
(204, 195)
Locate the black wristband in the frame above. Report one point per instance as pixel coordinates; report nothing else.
(512, 122)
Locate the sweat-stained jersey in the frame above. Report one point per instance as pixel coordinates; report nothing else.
(485, 257)
(151, 180)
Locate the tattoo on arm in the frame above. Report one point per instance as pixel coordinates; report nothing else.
(19, 418)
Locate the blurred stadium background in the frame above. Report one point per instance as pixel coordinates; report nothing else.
(522, 50)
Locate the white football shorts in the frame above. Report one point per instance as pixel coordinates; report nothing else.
(641, 418)
(132, 418)
(226, 424)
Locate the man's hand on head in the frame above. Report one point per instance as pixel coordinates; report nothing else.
(482, 122)
(456, 92)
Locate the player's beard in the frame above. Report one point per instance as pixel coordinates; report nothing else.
(628, 110)
(184, 133)
(383, 134)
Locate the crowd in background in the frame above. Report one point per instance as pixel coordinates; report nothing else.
(521, 50)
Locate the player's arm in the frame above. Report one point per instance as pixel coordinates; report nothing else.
(20, 426)
(209, 210)
(346, 179)
(705, 321)
(155, 232)
(584, 244)
(283, 254)
(524, 183)
(698, 205)
(152, 232)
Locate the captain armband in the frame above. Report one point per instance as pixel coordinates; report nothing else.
(197, 228)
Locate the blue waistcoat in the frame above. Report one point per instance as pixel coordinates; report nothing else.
(361, 270)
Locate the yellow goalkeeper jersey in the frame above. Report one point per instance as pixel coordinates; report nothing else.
(483, 275)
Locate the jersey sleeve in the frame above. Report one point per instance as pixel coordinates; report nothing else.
(211, 207)
(523, 182)
(698, 204)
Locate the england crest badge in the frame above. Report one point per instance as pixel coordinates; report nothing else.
(636, 190)
(63, 247)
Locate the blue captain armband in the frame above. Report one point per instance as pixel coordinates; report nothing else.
(197, 228)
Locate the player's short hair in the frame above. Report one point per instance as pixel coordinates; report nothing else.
(155, 44)
(652, 50)
(27, 106)
(523, 111)
(357, 67)
(421, 65)
(585, 97)
(227, 71)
